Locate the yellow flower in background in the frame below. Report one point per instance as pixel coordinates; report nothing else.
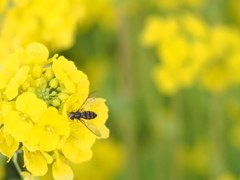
(191, 51)
(157, 29)
(38, 94)
(3, 4)
(221, 68)
(178, 4)
(179, 48)
(227, 176)
(51, 22)
(196, 157)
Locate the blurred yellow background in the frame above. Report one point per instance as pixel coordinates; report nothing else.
(169, 70)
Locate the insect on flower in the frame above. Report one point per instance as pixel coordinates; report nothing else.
(84, 116)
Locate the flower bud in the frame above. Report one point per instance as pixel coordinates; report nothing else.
(53, 93)
(37, 71)
(31, 89)
(39, 82)
(53, 83)
(25, 85)
(49, 74)
(56, 102)
(63, 96)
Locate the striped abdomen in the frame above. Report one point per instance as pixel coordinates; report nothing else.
(83, 115)
(88, 115)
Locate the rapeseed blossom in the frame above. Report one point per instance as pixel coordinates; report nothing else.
(178, 47)
(37, 94)
(192, 51)
(51, 22)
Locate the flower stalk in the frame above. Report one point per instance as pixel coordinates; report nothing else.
(15, 162)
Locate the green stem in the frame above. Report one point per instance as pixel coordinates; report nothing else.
(15, 162)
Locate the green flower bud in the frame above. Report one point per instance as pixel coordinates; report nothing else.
(59, 88)
(40, 82)
(54, 93)
(53, 83)
(63, 96)
(56, 102)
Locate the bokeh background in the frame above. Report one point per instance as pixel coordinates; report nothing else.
(169, 69)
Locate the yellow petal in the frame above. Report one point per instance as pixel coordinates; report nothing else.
(50, 141)
(30, 147)
(35, 162)
(71, 104)
(61, 169)
(10, 119)
(67, 74)
(8, 145)
(70, 86)
(48, 158)
(37, 54)
(77, 76)
(60, 125)
(62, 142)
(23, 100)
(12, 63)
(36, 108)
(48, 116)
(5, 107)
(104, 132)
(20, 130)
(37, 134)
(16, 81)
(4, 79)
(83, 137)
(100, 108)
(75, 155)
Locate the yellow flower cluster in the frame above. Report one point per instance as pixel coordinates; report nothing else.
(191, 51)
(3, 4)
(177, 4)
(37, 95)
(50, 22)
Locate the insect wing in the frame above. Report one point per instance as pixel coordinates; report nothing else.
(89, 101)
(91, 127)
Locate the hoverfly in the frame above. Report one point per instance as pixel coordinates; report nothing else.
(84, 116)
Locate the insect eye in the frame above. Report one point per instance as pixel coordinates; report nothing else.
(71, 115)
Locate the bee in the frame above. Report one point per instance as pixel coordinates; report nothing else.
(85, 116)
